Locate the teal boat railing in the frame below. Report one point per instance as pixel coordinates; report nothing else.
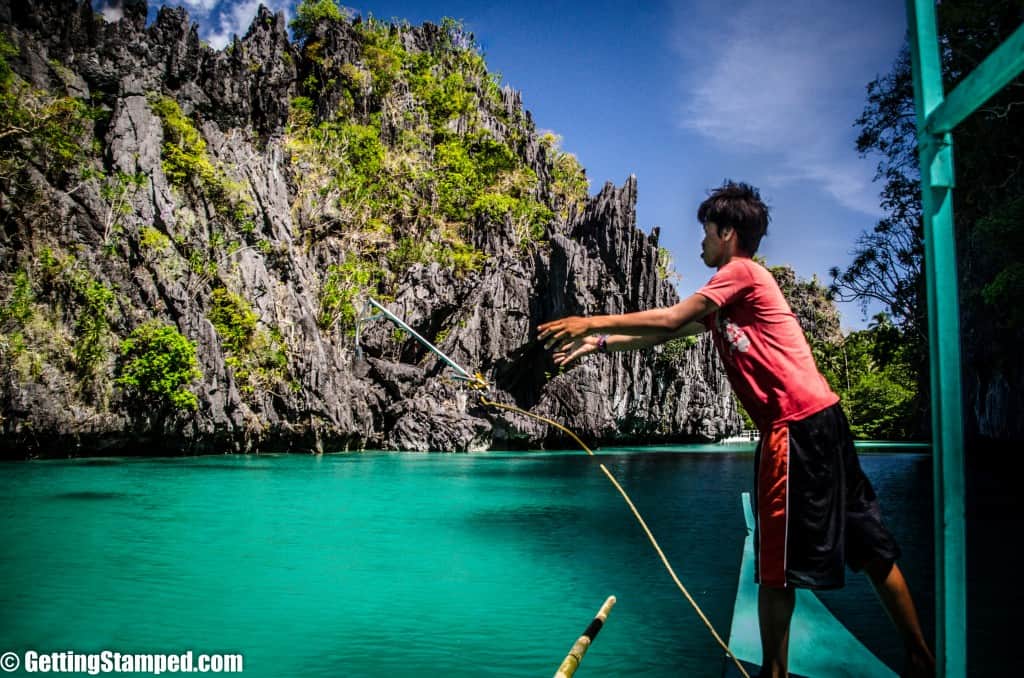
(937, 116)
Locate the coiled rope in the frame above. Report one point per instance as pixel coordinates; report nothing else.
(636, 514)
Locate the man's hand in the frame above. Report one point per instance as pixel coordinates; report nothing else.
(574, 349)
(563, 330)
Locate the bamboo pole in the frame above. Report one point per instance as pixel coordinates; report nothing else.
(579, 648)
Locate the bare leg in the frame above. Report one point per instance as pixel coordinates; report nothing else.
(774, 611)
(892, 590)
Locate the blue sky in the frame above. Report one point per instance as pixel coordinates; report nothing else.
(684, 94)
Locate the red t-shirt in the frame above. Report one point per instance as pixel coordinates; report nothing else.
(766, 355)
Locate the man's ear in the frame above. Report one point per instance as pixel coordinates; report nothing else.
(727, 233)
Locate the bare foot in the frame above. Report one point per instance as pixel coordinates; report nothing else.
(918, 666)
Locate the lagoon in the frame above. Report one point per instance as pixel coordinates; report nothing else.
(404, 564)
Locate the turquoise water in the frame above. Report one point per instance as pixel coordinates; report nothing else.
(393, 564)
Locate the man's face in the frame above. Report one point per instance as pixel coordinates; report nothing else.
(712, 246)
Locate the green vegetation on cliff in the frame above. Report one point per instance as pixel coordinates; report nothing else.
(57, 312)
(158, 364)
(51, 131)
(254, 354)
(189, 167)
(402, 154)
(400, 148)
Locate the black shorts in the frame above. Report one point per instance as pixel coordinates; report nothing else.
(815, 509)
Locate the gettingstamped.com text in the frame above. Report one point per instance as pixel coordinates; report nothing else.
(108, 661)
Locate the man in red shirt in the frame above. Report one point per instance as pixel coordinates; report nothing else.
(816, 511)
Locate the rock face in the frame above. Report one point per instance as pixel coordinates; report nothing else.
(592, 260)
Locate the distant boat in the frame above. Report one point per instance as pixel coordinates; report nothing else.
(748, 435)
(819, 647)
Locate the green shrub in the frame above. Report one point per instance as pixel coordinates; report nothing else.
(64, 281)
(527, 216)
(309, 13)
(666, 265)
(255, 356)
(672, 354)
(1000, 243)
(343, 287)
(153, 240)
(495, 206)
(356, 79)
(569, 183)
(383, 54)
(363, 154)
(342, 177)
(187, 165)
(184, 149)
(461, 258)
(233, 319)
(465, 167)
(880, 403)
(18, 308)
(1005, 291)
(451, 253)
(51, 132)
(16, 312)
(491, 157)
(443, 97)
(92, 327)
(33, 336)
(7, 50)
(300, 113)
(408, 251)
(51, 267)
(158, 364)
(458, 181)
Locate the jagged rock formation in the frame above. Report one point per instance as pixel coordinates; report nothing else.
(811, 303)
(242, 235)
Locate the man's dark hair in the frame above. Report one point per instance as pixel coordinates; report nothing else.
(738, 205)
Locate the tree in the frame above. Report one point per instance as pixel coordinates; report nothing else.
(871, 369)
(988, 207)
(157, 365)
(887, 265)
(309, 13)
(878, 382)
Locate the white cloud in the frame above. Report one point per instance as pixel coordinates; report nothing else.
(112, 11)
(786, 81)
(220, 19)
(235, 19)
(197, 8)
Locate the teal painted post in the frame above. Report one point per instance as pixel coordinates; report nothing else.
(936, 158)
(991, 75)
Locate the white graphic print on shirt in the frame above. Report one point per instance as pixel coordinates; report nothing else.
(734, 334)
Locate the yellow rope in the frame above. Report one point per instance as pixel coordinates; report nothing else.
(636, 514)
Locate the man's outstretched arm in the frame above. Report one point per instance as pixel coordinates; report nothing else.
(620, 342)
(657, 321)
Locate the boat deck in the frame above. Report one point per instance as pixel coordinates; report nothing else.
(819, 647)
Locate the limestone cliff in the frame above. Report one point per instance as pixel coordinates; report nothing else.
(248, 198)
